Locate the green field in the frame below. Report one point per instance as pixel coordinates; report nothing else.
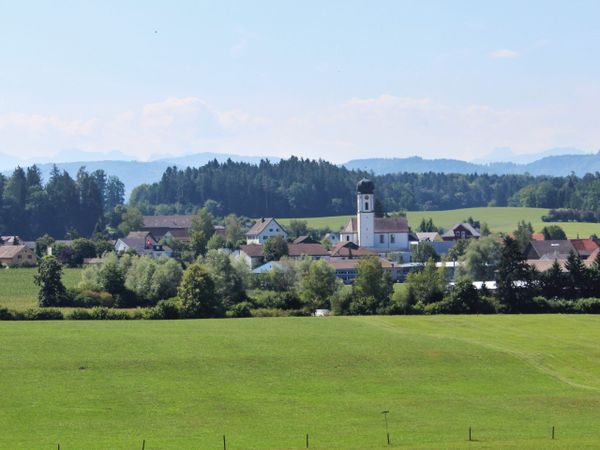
(19, 292)
(265, 383)
(498, 219)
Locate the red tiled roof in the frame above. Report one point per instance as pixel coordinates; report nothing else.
(294, 250)
(349, 248)
(252, 250)
(536, 236)
(352, 263)
(584, 245)
(307, 249)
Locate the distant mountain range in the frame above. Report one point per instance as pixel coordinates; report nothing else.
(560, 165)
(134, 173)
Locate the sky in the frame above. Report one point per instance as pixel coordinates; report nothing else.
(337, 80)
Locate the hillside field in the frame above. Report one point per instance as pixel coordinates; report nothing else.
(498, 219)
(265, 383)
(18, 290)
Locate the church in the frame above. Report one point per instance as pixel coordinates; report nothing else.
(382, 234)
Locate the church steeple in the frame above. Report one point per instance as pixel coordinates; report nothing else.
(365, 212)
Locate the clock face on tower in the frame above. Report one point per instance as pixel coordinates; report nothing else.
(366, 197)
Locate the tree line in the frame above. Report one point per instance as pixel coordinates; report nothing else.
(302, 188)
(62, 207)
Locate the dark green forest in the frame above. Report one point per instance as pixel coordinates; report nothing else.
(303, 188)
(62, 207)
(77, 206)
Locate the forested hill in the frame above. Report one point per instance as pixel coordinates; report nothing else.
(301, 188)
(558, 165)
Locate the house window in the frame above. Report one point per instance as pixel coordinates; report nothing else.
(347, 237)
(270, 230)
(392, 238)
(366, 206)
(381, 238)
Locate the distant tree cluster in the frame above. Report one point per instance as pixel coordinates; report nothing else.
(571, 215)
(64, 206)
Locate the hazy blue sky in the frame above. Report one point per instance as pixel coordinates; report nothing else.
(337, 80)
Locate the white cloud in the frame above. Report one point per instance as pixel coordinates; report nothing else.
(504, 53)
(384, 125)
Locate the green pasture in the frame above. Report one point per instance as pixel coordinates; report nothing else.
(498, 219)
(266, 383)
(19, 292)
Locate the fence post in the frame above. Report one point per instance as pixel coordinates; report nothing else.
(58, 446)
(306, 440)
(388, 438)
(552, 432)
(144, 444)
(470, 434)
(224, 443)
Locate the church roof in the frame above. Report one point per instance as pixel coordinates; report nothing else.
(365, 186)
(382, 225)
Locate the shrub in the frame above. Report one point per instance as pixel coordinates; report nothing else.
(164, 309)
(242, 309)
(275, 299)
(103, 313)
(88, 299)
(269, 312)
(79, 314)
(363, 306)
(6, 314)
(43, 314)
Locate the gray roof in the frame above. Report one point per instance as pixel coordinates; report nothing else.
(174, 221)
(470, 228)
(550, 250)
(382, 225)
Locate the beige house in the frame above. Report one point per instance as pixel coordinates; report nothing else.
(17, 255)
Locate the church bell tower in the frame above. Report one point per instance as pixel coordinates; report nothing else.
(365, 213)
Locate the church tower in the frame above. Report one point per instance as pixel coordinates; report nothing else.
(365, 213)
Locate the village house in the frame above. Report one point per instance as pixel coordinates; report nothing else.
(549, 250)
(462, 230)
(173, 226)
(585, 247)
(142, 243)
(349, 250)
(264, 229)
(10, 240)
(380, 233)
(17, 255)
(253, 254)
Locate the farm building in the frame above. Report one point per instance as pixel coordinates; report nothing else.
(462, 230)
(17, 255)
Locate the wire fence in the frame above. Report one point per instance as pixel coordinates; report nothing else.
(384, 439)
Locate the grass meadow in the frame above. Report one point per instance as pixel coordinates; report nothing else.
(265, 383)
(18, 291)
(498, 219)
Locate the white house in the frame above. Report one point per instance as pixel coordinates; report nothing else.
(382, 234)
(263, 229)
